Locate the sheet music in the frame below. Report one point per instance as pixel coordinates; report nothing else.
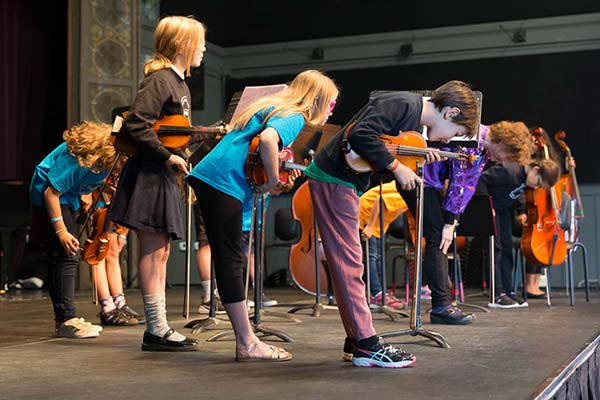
(252, 93)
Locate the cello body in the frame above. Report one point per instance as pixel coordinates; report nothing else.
(543, 243)
(302, 254)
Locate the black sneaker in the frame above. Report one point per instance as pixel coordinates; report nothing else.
(130, 311)
(117, 318)
(375, 352)
(451, 316)
(504, 301)
(521, 301)
(349, 347)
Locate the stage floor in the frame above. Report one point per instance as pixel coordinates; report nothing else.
(505, 354)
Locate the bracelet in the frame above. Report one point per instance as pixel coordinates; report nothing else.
(395, 165)
(56, 219)
(120, 236)
(60, 230)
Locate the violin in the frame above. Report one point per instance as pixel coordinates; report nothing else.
(543, 242)
(408, 148)
(569, 183)
(95, 247)
(302, 254)
(255, 170)
(174, 132)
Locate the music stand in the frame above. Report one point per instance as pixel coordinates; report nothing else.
(478, 220)
(415, 327)
(393, 313)
(317, 307)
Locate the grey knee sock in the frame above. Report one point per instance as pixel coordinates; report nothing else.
(156, 316)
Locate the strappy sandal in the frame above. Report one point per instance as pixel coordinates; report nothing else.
(273, 354)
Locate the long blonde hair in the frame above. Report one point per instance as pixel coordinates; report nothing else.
(175, 35)
(90, 143)
(309, 94)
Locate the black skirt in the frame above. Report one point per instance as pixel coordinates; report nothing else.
(148, 199)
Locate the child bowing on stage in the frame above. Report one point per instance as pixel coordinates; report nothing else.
(219, 182)
(74, 168)
(451, 111)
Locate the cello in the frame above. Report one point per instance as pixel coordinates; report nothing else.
(568, 183)
(543, 242)
(302, 253)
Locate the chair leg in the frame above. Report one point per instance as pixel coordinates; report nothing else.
(548, 286)
(516, 271)
(569, 263)
(523, 275)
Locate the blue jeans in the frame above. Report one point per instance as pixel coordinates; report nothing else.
(375, 269)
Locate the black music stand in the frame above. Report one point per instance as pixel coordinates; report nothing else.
(478, 220)
(415, 326)
(393, 313)
(258, 242)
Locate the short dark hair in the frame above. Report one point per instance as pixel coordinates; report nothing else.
(458, 94)
(548, 170)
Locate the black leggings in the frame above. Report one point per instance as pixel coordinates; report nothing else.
(62, 268)
(223, 222)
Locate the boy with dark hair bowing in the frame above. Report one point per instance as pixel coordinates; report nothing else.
(505, 184)
(451, 111)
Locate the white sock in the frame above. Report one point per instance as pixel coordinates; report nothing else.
(206, 290)
(155, 306)
(107, 304)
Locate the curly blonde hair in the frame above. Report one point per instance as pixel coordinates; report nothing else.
(90, 143)
(514, 137)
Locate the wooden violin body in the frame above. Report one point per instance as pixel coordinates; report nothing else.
(255, 171)
(95, 247)
(302, 254)
(174, 131)
(408, 147)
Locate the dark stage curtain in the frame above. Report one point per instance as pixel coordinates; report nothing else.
(27, 39)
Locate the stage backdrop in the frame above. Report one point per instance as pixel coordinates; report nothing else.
(555, 91)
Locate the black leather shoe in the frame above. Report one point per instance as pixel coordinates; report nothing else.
(452, 316)
(536, 296)
(157, 343)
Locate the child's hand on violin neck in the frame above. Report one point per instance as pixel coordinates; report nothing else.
(433, 156)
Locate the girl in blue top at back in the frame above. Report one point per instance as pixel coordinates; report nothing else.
(74, 168)
(219, 182)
